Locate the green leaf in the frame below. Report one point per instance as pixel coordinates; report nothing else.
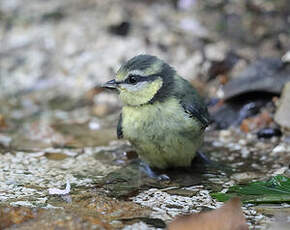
(274, 190)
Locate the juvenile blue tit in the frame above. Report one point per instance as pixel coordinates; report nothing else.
(162, 116)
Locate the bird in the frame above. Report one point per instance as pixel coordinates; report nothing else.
(162, 115)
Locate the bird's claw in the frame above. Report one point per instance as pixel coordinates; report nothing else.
(150, 173)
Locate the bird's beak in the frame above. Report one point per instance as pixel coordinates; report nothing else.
(110, 84)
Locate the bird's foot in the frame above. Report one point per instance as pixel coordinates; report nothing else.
(150, 173)
(163, 177)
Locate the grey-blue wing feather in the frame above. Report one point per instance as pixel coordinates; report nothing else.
(193, 104)
(197, 111)
(119, 128)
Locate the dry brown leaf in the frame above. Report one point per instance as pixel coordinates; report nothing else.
(245, 126)
(228, 217)
(259, 121)
(223, 79)
(2, 122)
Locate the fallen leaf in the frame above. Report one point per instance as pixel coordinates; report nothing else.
(228, 217)
(259, 121)
(223, 79)
(55, 156)
(274, 190)
(3, 124)
(245, 126)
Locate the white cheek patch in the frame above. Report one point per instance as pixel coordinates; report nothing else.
(137, 87)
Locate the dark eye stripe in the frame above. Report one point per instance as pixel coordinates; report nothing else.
(139, 78)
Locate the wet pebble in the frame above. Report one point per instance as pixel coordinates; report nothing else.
(282, 114)
(245, 176)
(269, 132)
(121, 29)
(5, 141)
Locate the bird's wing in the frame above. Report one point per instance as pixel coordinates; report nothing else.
(119, 128)
(193, 104)
(198, 112)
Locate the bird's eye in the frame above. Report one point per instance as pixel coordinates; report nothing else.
(132, 79)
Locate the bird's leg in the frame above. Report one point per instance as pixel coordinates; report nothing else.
(201, 162)
(202, 159)
(200, 156)
(150, 173)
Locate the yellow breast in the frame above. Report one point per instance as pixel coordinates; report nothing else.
(162, 133)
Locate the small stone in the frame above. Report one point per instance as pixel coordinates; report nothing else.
(279, 149)
(286, 57)
(245, 153)
(131, 155)
(55, 156)
(280, 171)
(5, 140)
(22, 203)
(182, 192)
(242, 142)
(186, 4)
(121, 29)
(100, 110)
(245, 177)
(225, 133)
(268, 132)
(283, 112)
(192, 25)
(56, 191)
(94, 125)
(216, 52)
(138, 226)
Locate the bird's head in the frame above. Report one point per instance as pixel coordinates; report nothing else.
(143, 79)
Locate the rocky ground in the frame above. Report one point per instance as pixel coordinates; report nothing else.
(57, 126)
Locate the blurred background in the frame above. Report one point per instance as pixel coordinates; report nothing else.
(54, 54)
(57, 124)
